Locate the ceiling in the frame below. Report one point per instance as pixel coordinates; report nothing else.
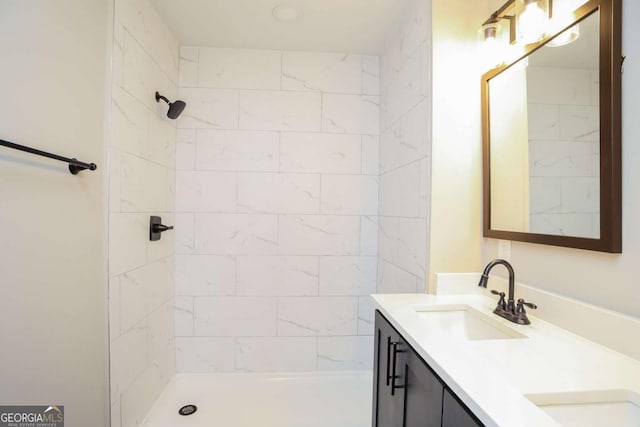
(357, 26)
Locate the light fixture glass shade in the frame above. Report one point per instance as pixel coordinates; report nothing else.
(532, 22)
(565, 37)
(490, 37)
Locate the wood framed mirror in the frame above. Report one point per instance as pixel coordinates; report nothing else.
(552, 137)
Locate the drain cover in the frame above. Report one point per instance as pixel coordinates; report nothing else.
(188, 410)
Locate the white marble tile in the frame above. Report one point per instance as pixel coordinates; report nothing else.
(388, 238)
(349, 194)
(205, 275)
(137, 17)
(370, 75)
(411, 252)
(366, 316)
(128, 236)
(402, 85)
(544, 121)
(161, 147)
(552, 158)
(394, 280)
(351, 114)
(138, 399)
(545, 195)
(128, 359)
(204, 354)
(390, 148)
(140, 185)
(277, 275)
(115, 177)
(160, 333)
(116, 416)
(400, 192)
(276, 354)
(284, 111)
(239, 68)
(345, 353)
(184, 233)
(369, 235)
(228, 234)
(580, 194)
(142, 77)
(235, 316)
(209, 108)
(278, 193)
(114, 308)
(186, 149)
(188, 66)
(183, 316)
(238, 150)
(319, 235)
(130, 120)
(424, 188)
(319, 316)
(558, 86)
(324, 153)
(203, 191)
(370, 155)
(117, 56)
(580, 123)
(165, 48)
(325, 72)
(344, 275)
(563, 224)
(144, 290)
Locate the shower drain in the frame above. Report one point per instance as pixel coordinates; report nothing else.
(188, 410)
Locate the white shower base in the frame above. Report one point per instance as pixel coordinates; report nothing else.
(318, 399)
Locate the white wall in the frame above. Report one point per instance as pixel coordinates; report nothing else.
(405, 147)
(53, 283)
(142, 183)
(456, 201)
(606, 280)
(277, 203)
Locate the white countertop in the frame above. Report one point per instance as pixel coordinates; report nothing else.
(491, 377)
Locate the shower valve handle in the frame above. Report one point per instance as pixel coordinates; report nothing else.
(156, 228)
(159, 228)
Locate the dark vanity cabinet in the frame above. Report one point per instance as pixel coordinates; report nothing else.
(407, 393)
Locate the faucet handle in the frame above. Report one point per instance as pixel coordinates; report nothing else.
(501, 302)
(522, 303)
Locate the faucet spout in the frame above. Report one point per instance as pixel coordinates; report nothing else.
(511, 306)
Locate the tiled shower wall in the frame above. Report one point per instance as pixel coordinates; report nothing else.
(142, 183)
(564, 151)
(277, 205)
(405, 148)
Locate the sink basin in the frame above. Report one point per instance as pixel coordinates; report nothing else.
(619, 408)
(462, 322)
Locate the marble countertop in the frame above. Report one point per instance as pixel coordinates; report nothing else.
(492, 376)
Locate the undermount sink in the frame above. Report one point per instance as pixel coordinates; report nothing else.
(462, 322)
(619, 408)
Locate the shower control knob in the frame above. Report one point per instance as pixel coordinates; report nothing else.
(156, 228)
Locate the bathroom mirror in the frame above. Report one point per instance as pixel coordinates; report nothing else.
(551, 131)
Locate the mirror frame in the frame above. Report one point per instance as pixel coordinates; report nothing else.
(610, 136)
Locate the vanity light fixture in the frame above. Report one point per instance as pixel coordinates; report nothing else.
(532, 22)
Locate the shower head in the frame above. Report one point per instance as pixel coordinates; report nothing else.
(175, 108)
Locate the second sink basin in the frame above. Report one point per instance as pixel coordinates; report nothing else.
(462, 322)
(619, 408)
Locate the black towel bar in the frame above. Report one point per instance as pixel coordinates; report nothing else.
(75, 165)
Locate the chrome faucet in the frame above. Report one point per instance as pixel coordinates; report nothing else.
(509, 310)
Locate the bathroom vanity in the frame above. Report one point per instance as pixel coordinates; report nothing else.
(407, 392)
(448, 361)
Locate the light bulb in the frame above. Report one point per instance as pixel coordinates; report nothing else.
(532, 22)
(565, 37)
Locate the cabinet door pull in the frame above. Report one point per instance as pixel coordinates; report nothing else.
(388, 360)
(394, 386)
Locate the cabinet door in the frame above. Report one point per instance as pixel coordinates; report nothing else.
(423, 394)
(455, 414)
(388, 405)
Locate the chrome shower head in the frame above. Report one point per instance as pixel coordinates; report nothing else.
(175, 108)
